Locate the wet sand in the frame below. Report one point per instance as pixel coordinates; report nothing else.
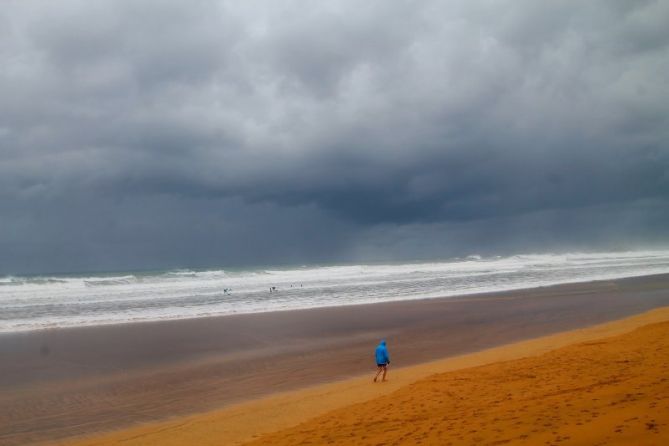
(57, 384)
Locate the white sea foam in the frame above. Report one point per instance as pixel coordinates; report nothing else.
(37, 302)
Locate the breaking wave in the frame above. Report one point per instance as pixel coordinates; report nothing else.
(37, 302)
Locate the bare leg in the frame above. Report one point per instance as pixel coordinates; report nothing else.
(385, 370)
(378, 372)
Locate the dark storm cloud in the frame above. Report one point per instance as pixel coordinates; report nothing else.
(386, 124)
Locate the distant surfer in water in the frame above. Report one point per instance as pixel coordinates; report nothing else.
(382, 360)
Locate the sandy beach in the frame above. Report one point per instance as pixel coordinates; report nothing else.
(605, 384)
(603, 391)
(61, 384)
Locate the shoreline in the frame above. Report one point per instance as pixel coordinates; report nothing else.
(65, 383)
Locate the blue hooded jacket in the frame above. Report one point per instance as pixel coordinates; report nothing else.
(382, 353)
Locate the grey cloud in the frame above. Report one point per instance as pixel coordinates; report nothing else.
(377, 121)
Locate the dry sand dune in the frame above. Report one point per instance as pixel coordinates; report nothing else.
(607, 384)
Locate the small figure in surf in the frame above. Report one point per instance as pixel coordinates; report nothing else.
(382, 360)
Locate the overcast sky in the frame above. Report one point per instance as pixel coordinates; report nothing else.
(153, 134)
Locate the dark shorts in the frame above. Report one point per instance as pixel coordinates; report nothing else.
(381, 365)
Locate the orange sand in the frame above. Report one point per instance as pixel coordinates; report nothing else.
(607, 384)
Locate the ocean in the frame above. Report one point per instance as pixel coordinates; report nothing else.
(67, 300)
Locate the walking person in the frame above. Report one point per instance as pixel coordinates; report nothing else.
(382, 360)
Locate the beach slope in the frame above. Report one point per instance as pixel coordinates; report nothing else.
(607, 384)
(610, 391)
